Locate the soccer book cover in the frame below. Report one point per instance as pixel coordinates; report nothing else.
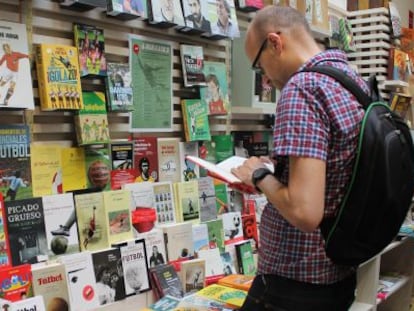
(16, 89)
(58, 77)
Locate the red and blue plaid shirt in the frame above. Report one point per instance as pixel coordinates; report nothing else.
(315, 118)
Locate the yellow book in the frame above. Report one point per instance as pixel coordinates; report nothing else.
(231, 296)
(92, 221)
(73, 168)
(58, 77)
(118, 215)
(45, 165)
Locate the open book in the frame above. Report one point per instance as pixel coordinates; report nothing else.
(223, 172)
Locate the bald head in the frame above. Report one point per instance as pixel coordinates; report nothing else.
(275, 18)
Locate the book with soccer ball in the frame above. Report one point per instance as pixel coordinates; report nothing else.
(222, 171)
(60, 224)
(16, 89)
(16, 282)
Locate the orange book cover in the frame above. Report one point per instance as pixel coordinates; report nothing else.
(58, 77)
(239, 281)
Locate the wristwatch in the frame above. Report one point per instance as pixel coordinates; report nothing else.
(258, 175)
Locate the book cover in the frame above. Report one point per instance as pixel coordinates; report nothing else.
(91, 122)
(178, 239)
(165, 13)
(60, 224)
(388, 283)
(5, 256)
(35, 303)
(224, 146)
(200, 237)
(26, 229)
(228, 262)
(223, 20)
(142, 206)
(400, 103)
(245, 259)
(92, 223)
(395, 19)
(155, 246)
(122, 160)
(249, 5)
(164, 202)
(165, 303)
(98, 168)
(58, 77)
(50, 283)
(206, 151)
(189, 169)
(119, 87)
(81, 280)
(397, 65)
(134, 266)
(45, 166)
(117, 212)
(232, 296)
(250, 232)
(207, 199)
(15, 167)
(73, 169)
(214, 264)
(146, 158)
(196, 17)
(222, 171)
(166, 281)
(222, 197)
(169, 159)
(196, 302)
(91, 46)
(239, 281)
(16, 89)
(195, 120)
(215, 234)
(232, 226)
(187, 201)
(192, 275)
(192, 60)
(346, 35)
(127, 10)
(16, 282)
(215, 94)
(107, 266)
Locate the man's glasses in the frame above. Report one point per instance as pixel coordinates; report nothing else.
(255, 66)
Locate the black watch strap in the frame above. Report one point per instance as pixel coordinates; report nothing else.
(258, 175)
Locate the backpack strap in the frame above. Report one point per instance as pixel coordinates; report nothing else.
(348, 83)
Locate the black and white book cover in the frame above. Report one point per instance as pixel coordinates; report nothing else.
(107, 265)
(155, 247)
(134, 266)
(26, 228)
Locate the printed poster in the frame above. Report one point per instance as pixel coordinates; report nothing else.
(151, 69)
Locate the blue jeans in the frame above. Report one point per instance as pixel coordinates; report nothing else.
(272, 292)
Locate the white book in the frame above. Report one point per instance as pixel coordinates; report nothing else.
(29, 304)
(155, 247)
(178, 239)
(214, 264)
(81, 280)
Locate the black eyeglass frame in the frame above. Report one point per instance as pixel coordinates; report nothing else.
(255, 67)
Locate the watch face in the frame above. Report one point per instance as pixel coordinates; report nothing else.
(259, 174)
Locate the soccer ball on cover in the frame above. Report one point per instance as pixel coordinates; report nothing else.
(99, 174)
(59, 245)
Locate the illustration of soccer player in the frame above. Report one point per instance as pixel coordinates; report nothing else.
(10, 72)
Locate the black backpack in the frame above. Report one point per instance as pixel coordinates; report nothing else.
(380, 192)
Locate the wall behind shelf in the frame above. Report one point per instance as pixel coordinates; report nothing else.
(46, 22)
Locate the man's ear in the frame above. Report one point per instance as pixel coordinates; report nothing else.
(275, 40)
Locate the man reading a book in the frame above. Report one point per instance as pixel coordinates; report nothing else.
(315, 141)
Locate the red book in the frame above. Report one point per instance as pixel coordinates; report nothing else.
(5, 259)
(16, 282)
(146, 158)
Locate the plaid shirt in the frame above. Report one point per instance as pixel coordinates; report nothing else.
(315, 118)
